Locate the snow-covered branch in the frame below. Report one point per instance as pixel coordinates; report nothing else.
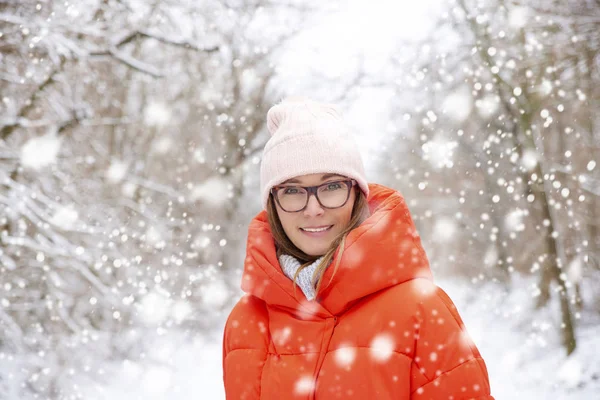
(157, 187)
(173, 41)
(115, 52)
(130, 61)
(40, 123)
(12, 327)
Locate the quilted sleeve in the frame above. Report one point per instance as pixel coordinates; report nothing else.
(245, 342)
(446, 363)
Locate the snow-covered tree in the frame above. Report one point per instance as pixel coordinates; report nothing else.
(502, 142)
(126, 131)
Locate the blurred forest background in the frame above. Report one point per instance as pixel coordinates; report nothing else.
(130, 141)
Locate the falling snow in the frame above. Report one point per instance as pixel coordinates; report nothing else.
(130, 168)
(345, 356)
(382, 347)
(157, 114)
(117, 171)
(213, 191)
(304, 385)
(40, 152)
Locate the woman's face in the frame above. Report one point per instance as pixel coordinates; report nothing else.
(297, 224)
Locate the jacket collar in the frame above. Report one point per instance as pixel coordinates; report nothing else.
(384, 251)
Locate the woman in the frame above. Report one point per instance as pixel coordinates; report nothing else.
(340, 301)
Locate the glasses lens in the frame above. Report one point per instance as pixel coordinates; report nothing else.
(291, 198)
(333, 194)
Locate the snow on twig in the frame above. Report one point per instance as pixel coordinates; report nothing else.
(157, 187)
(173, 41)
(135, 63)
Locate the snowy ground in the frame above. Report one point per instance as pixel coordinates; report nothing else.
(520, 347)
(181, 369)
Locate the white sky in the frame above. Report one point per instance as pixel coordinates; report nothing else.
(372, 30)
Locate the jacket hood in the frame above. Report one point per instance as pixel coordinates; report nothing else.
(384, 251)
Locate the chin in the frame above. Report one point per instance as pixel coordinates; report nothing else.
(313, 251)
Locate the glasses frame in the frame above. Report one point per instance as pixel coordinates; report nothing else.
(312, 190)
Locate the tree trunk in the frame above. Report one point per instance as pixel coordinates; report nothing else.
(551, 268)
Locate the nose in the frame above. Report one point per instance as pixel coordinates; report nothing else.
(313, 208)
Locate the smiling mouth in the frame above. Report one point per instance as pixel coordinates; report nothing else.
(316, 230)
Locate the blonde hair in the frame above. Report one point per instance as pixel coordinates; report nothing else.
(360, 211)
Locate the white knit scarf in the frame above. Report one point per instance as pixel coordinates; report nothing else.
(289, 265)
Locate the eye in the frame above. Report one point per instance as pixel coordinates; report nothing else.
(291, 190)
(333, 186)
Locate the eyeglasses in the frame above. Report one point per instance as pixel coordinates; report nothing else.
(329, 195)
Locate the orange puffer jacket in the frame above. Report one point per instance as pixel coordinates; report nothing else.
(379, 330)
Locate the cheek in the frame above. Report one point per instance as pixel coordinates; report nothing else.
(287, 221)
(343, 218)
(347, 211)
(348, 215)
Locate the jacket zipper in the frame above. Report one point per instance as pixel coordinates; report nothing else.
(330, 324)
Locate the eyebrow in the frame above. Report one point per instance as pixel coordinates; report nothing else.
(323, 178)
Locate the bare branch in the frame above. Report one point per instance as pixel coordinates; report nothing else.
(10, 323)
(177, 42)
(129, 61)
(11, 79)
(30, 103)
(138, 65)
(54, 251)
(41, 123)
(157, 187)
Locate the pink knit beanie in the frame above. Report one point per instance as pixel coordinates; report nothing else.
(308, 137)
